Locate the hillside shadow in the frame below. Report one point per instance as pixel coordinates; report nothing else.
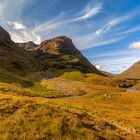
(61, 63)
(51, 66)
(7, 78)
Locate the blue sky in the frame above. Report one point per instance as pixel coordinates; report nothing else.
(106, 31)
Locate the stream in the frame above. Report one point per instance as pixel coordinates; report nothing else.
(132, 90)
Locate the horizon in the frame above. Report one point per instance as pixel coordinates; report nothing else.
(110, 42)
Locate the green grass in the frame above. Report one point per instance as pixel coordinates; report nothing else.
(7, 78)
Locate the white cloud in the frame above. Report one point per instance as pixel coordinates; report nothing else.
(114, 54)
(107, 26)
(16, 25)
(59, 25)
(117, 65)
(116, 21)
(11, 8)
(98, 67)
(25, 36)
(131, 30)
(89, 11)
(20, 33)
(117, 61)
(90, 41)
(135, 45)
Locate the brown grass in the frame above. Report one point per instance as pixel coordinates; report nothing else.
(105, 111)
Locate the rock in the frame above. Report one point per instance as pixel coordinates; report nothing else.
(101, 125)
(28, 45)
(59, 45)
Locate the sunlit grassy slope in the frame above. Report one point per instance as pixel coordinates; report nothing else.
(73, 106)
(37, 118)
(133, 72)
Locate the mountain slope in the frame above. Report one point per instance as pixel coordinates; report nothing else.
(4, 34)
(61, 54)
(14, 61)
(57, 55)
(133, 72)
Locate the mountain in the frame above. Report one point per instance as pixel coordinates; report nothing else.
(55, 55)
(60, 53)
(28, 45)
(14, 61)
(133, 72)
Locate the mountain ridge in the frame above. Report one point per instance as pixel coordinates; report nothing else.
(55, 54)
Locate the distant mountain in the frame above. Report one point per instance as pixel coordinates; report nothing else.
(133, 72)
(58, 54)
(28, 45)
(108, 74)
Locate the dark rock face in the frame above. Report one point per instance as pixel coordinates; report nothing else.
(4, 34)
(27, 46)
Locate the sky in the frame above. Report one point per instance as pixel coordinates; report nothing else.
(107, 32)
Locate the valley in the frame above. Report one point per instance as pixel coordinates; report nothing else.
(51, 91)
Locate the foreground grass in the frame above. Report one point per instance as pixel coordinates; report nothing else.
(51, 110)
(36, 118)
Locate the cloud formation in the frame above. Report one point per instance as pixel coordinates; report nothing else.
(21, 33)
(89, 11)
(135, 45)
(16, 25)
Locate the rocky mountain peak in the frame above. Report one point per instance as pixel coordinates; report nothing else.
(59, 45)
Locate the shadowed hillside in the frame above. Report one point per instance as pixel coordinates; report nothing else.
(15, 63)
